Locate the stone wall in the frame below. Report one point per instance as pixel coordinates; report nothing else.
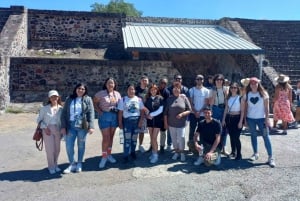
(31, 78)
(63, 29)
(13, 43)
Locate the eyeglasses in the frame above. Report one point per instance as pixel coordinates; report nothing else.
(81, 89)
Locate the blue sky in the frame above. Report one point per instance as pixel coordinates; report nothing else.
(198, 9)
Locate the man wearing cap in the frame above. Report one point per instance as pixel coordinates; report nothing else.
(199, 97)
(209, 146)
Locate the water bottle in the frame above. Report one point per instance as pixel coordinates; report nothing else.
(121, 135)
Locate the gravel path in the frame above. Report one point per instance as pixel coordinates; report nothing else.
(24, 176)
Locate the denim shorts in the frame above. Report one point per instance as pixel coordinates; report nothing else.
(108, 120)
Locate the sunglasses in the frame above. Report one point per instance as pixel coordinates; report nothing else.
(199, 79)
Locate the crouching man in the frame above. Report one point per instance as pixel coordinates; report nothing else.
(209, 131)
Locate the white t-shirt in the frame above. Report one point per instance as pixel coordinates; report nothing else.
(198, 97)
(256, 107)
(130, 106)
(234, 104)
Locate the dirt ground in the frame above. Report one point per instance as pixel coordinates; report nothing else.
(24, 176)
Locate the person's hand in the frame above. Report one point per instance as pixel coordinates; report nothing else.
(179, 116)
(240, 125)
(47, 131)
(208, 156)
(63, 131)
(90, 131)
(223, 123)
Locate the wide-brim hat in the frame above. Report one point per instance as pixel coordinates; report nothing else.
(282, 78)
(52, 93)
(245, 82)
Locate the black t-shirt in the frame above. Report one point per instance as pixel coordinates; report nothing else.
(209, 130)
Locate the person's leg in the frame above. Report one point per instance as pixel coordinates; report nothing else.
(49, 148)
(181, 143)
(70, 141)
(162, 139)
(127, 137)
(252, 128)
(265, 134)
(193, 124)
(134, 136)
(169, 139)
(81, 138)
(57, 139)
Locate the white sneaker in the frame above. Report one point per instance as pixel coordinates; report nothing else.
(199, 161)
(71, 168)
(102, 163)
(182, 157)
(271, 162)
(57, 169)
(79, 167)
(175, 156)
(154, 158)
(51, 171)
(218, 161)
(141, 148)
(111, 159)
(254, 157)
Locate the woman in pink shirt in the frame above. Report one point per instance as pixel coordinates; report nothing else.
(105, 103)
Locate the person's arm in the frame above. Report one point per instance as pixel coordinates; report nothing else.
(96, 101)
(225, 112)
(120, 119)
(266, 104)
(157, 112)
(240, 124)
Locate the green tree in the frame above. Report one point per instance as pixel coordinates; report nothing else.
(117, 6)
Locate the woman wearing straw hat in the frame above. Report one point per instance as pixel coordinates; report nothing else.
(283, 102)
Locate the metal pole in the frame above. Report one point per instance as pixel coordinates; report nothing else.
(261, 57)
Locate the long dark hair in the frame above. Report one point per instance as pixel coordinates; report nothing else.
(74, 94)
(105, 82)
(234, 84)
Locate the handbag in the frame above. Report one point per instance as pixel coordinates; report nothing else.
(85, 123)
(38, 137)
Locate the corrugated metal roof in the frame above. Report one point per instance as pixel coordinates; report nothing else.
(185, 38)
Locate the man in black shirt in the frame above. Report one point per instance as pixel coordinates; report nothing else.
(210, 147)
(141, 91)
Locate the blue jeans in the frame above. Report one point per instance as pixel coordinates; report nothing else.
(74, 133)
(217, 113)
(108, 120)
(252, 123)
(130, 134)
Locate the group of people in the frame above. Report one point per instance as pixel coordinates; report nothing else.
(212, 112)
